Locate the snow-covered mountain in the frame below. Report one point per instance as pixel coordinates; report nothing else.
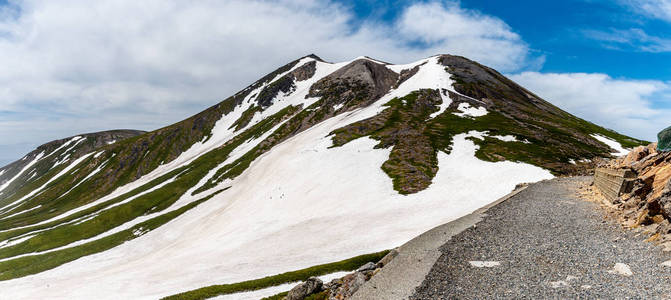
(315, 162)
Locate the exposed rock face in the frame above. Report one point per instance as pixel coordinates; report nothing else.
(305, 71)
(356, 84)
(649, 202)
(309, 287)
(286, 84)
(637, 154)
(406, 74)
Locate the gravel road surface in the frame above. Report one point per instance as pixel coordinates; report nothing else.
(546, 243)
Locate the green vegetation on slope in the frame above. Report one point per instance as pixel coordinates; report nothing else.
(63, 233)
(128, 160)
(28, 265)
(293, 276)
(412, 162)
(415, 138)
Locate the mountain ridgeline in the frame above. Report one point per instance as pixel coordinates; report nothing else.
(88, 194)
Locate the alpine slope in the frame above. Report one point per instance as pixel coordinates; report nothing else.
(315, 162)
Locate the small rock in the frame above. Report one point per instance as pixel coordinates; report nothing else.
(367, 267)
(307, 288)
(666, 263)
(621, 269)
(350, 284)
(333, 285)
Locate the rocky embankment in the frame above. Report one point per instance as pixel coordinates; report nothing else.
(339, 288)
(646, 204)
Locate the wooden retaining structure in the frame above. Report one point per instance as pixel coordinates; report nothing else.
(614, 182)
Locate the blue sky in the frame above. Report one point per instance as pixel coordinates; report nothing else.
(81, 66)
(560, 31)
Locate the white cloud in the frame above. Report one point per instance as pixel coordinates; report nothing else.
(73, 65)
(633, 38)
(632, 107)
(660, 9)
(469, 33)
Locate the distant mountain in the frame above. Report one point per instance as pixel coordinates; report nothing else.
(313, 163)
(54, 154)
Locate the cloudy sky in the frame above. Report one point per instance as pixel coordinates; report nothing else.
(69, 67)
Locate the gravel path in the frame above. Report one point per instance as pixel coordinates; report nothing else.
(545, 243)
(407, 270)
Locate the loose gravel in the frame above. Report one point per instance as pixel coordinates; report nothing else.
(546, 243)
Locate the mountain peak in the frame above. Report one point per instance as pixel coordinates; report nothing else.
(397, 149)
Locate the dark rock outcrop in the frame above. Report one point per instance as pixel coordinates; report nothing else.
(356, 84)
(309, 287)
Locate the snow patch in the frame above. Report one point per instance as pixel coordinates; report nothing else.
(468, 111)
(443, 105)
(613, 144)
(94, 172)
(140, 231)
(505, 138)
(61, 173)
(21, 212)
(30, 164)
(61, 161)
(16, 241)
(74, 139)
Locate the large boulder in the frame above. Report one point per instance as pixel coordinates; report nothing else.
(664, 138)
(307, 288)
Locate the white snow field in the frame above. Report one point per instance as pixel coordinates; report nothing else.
(299, 205)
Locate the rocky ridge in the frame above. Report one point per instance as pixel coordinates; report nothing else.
(646, 205)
